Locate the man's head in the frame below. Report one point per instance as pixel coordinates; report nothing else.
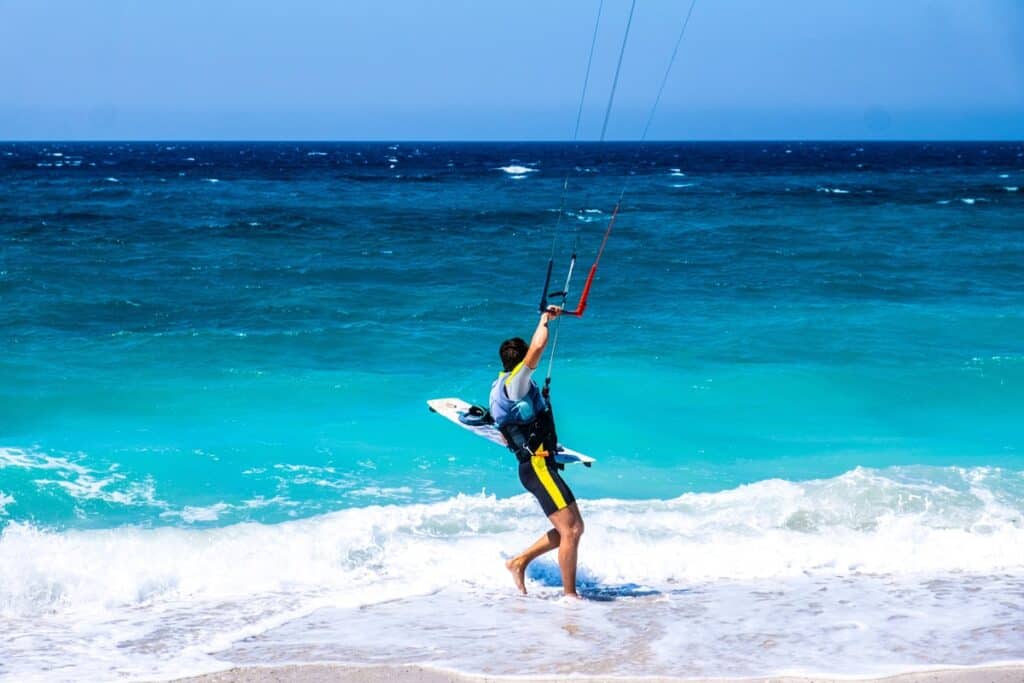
(512, 352)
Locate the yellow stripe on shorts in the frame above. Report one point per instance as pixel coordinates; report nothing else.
(541, 469)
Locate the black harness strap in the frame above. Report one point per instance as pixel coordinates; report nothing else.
(524, 440)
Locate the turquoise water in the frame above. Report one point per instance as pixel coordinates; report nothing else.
(203, 336)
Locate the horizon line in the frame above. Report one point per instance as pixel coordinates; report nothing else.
(506, 141)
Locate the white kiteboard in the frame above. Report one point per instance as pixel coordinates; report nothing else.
(453, 408)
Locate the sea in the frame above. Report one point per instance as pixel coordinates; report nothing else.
(800, 370)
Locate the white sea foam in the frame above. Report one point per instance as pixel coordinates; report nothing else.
(191, 514)
(832, 190)
(5, 500)
(515, 170)
(1011, 188)
(381, 492)
(16, 457)
(862, 521)
(112, 179)
(211, 180)
(88, 487)
(261, 502)
(80, 482)
(313, 469)
(868, 626)
(920, 543)
(199, 513)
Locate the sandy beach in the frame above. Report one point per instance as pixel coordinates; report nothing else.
(330, 673)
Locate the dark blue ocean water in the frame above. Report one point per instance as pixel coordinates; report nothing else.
(200, 335)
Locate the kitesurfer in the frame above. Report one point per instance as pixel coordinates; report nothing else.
(524, 417)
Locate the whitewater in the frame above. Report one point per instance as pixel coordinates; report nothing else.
(876, 561)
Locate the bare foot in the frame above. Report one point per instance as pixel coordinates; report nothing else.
(518, 569)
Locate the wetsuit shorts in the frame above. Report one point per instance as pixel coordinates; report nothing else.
(540, 477)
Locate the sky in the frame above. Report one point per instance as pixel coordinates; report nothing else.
(490, 70)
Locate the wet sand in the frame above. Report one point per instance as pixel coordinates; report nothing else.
(331, 673)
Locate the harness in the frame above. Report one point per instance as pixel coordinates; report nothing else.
(528, 425)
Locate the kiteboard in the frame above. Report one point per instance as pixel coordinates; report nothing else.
(452, 409)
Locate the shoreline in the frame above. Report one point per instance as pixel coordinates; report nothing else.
(341, 673)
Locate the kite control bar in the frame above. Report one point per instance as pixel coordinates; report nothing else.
(581, 305)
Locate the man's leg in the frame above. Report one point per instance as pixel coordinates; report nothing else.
(541, 478)
(568, 525)
(517, 565)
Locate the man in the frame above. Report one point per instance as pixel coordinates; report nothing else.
(525, 420)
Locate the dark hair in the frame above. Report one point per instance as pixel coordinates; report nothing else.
(512, 352)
